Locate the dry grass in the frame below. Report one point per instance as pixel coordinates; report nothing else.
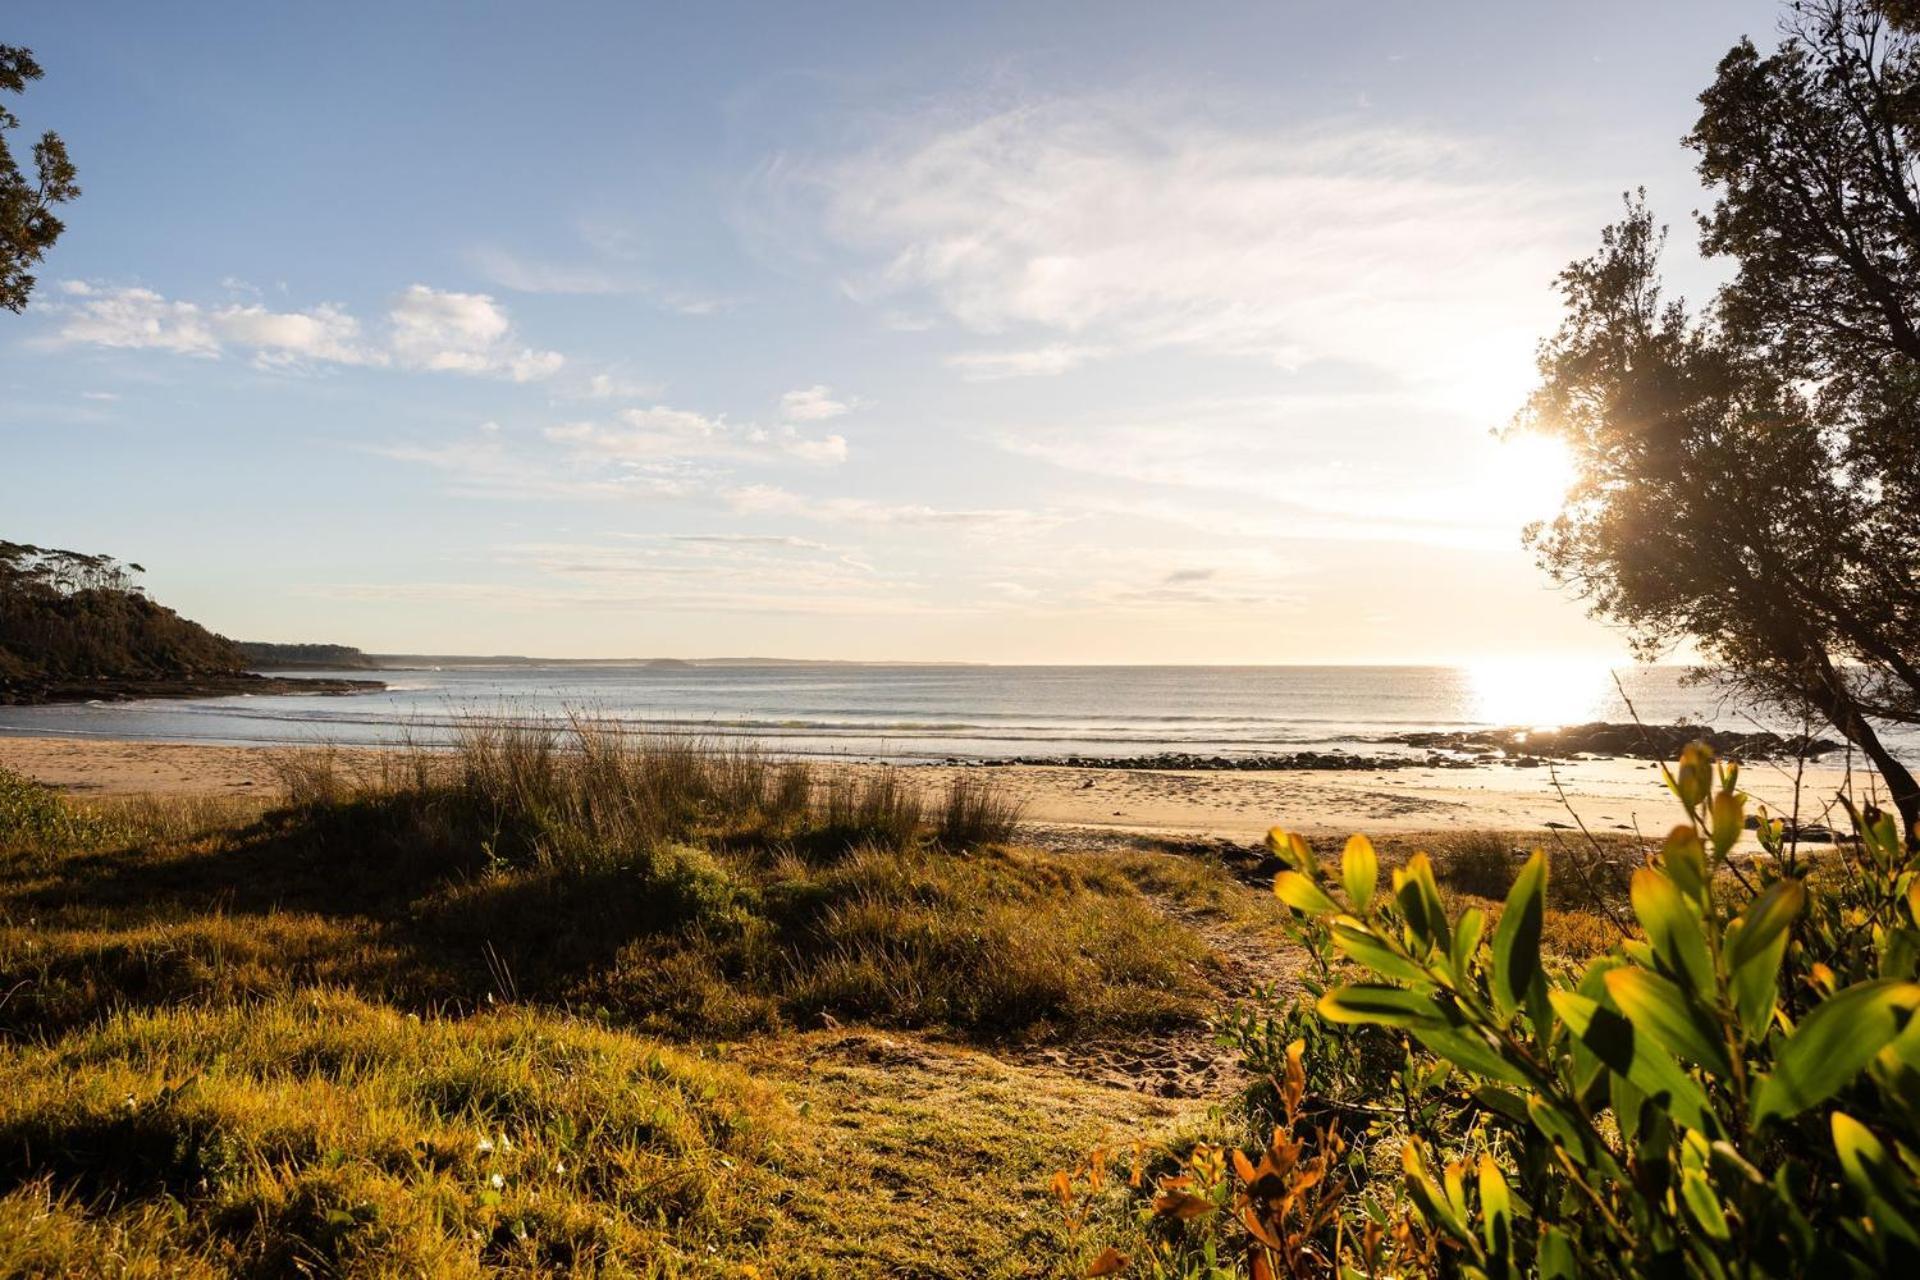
(318, 1133)
(241, 1041)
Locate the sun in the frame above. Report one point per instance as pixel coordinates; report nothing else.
(1526, 477)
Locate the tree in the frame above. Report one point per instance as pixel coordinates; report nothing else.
(28, 226)
(1750, 474)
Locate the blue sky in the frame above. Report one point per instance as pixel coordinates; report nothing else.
(1063, 332)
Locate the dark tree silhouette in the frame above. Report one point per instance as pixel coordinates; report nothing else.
(67, 616)
(1751, 474)
(28, 226)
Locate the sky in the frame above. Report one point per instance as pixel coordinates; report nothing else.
(1061, 332)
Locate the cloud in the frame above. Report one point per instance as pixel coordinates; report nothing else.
(136, 318)
(728, 578)
(1124, 226)
(663, 432)
(748, 540)
(426, 329)
(762, 499)
(463, 333)
(812, 404)
(1047, 361)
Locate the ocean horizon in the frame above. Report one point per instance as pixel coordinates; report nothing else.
(931, 711)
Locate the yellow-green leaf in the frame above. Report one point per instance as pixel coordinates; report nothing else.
(1659, 1009)
(1831, 1045)
(1387, 1006)
(1702, 1206)
(1674, 929)
(1611, 1038)
(1359, 871)
(1516, 939)
(1361, 945)
(1303, 894)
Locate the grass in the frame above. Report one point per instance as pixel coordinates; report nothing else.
(242, 1038)
(317, 1132)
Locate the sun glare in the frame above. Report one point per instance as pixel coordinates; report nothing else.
(1527, 477)
(1539, 693)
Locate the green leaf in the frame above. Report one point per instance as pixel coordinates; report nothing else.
(1657, 1008)
(1873, 1174)
(1516, 939)
(1385, 1006)
(1466, 937)
(1686, 862)
(1755, 985)
(1702, 1206)
(1556, 1124)
(1673, 929)
(1496, 1209)
(1428, 1197)
(1303, 894)
(1831, 1045)
(1556, 1256)
(1765, 919)
(1361, 945)
(1463, 1049)
(1359, 871)
(1419, 898)
(1612, 1039)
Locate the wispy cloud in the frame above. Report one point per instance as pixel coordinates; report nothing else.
(1036, 362)
(425, 328)
(1133, 225)
(762, 499)
(813, 404)
(663, 432)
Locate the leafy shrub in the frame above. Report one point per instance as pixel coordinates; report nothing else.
(1737, 1092)
(34, 818)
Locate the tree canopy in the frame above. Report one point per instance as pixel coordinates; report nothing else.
(28, 225)
(1750, 472)
(67, 615)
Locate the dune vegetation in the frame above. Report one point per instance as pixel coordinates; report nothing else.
(562, 1000)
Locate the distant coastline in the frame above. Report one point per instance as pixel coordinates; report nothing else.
(47, 693)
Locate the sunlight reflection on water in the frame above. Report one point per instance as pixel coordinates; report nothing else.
(1541, 693)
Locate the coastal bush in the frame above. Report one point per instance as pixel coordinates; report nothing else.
(1734, 1091)
(37, 820)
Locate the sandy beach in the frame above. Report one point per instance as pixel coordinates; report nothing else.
(1607, 795)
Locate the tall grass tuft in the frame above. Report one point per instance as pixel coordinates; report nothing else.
(975, 813)
(878, 809)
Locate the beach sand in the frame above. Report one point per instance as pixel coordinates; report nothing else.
(1607, 795)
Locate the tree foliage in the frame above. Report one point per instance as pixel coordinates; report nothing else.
(1751, 471)
(28, 225)
(66, 615)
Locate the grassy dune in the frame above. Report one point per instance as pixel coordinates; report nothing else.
(485, 1010)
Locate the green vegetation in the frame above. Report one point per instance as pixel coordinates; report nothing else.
(482, 1010)
(28, 225)
(263, 655)
(68, 616)
(1730, 1091)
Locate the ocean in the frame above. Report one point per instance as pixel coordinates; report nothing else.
(907, 713)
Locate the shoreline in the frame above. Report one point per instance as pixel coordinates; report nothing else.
(1075, 801)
